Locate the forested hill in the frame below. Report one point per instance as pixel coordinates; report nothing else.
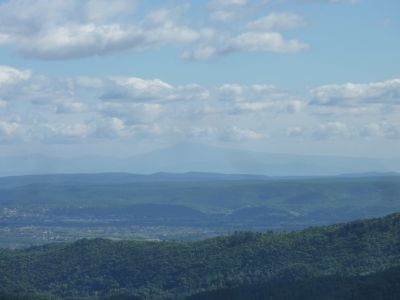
(174, 270)
(382, 285)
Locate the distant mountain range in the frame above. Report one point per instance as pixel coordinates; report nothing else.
(111, 178)
(121, 178)
(183, 158)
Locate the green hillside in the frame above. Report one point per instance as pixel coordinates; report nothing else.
(383, 285)
(174, 270)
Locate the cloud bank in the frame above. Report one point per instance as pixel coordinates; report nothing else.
(77, 110)
(58, 29)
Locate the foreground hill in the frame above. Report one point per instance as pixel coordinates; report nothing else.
(384, 285)
(174, 270)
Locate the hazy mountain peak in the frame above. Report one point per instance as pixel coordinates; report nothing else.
(193, 157)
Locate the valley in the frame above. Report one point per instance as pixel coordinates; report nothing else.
(189, 206)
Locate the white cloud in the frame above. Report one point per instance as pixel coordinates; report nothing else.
(237, 92)
(225, 10)
(257, 98)
(81, 109)
(79, 40)
(295, 131)
(222, 15)
(268, 107)
(264, 41)
(328, 130)
(365, 109)
(351, 94)
(236, 133)
(332, 129)
(9, 75)
(137, 89)
(77, 130)
(383, 129)
(130, 106)
(68, 29)
(338, 129)
(151, 130)
(132, 113)
(23, 86)
(207, 132)
(101, 10)
(109, 128)
(318, 1)
(8, 128)
(205, 52)
(133, 89)
(227, 3)
(72, 29)
(276, 22)
(251, 41)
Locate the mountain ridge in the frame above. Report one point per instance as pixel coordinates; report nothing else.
(183, 158)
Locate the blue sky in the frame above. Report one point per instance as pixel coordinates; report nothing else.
(291, 76)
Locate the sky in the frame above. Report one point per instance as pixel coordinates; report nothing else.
(121, 77)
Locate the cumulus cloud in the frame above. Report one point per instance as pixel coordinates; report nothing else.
(101, 10)
(338, 129)
(251, 41)
(257, 98)
(383, 129)
(223, 15)
(268, 107)
(109, 128)
(73, 29)
(295, 131)
(132, 112)
(332, 129)
(225, 10)
(351, 94)
(236, 133)
(77, 130)
(136, 89)
(68, 29)
(22, 85)
(227, 134)
(237, 92)
(318, 1)
(80, 40)
(82, 108)
(263, 41)
(133, 89)
(227, 3)
(76, 110)
(277, 21)
(10, 76)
